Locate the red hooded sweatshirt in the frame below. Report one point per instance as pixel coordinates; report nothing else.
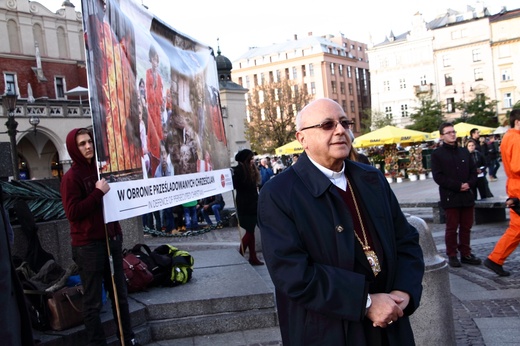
(82, 201)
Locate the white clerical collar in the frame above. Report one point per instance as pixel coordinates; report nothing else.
(337, 178)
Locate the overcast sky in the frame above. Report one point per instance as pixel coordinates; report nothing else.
(242, 24)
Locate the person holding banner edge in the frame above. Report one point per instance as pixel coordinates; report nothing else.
(94, 242)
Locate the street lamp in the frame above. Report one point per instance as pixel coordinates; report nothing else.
(9, 100)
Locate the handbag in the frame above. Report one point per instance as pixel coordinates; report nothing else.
(137, 275)
(65, 308)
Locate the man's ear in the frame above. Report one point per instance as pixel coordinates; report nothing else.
(300, 136)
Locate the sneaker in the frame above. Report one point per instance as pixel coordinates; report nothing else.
(219, 225)
(470, 259)
(132, 342)
(453, 261)
(497, 268)
(492, 179)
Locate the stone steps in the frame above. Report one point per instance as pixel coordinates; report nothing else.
(225, 295)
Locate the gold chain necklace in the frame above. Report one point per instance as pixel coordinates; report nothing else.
(371, 255)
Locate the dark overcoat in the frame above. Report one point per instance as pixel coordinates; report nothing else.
(451, 167)
(308, 244)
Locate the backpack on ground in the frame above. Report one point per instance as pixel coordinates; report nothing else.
(181, 264)
(137, 275)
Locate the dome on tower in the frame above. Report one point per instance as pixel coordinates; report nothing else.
(224, 67)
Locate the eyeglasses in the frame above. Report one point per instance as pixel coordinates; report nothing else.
(331, 125)
(450, 133)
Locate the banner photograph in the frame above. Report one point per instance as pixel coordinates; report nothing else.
(155, 103)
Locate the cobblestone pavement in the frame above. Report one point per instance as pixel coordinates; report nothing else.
(466, 312)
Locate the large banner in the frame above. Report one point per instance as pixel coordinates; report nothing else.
(157, 123)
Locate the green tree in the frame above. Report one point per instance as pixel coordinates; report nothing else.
(479, 111)
(428, 116)
(374, 120)
(272, 113)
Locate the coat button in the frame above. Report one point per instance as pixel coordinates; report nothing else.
(339, 228)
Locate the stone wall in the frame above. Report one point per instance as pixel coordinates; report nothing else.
(55, 238)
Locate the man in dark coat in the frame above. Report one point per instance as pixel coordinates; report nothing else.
(346, 265)
(456, 174)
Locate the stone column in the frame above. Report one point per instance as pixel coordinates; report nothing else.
(432, 323)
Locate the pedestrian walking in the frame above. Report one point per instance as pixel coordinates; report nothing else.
(510, 149)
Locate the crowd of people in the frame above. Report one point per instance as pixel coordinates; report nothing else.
(188, 216)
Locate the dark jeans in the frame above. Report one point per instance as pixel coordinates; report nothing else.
(460, 219)
(493, 166)
(169, 219)
(190, 216)
(94, 267)
(216, 208)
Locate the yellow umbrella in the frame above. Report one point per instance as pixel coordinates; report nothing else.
(290, 148)
(463, 130)
(390, 135)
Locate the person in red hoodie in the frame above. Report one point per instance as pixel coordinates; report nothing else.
(82, 196)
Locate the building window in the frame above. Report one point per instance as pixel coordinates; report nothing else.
(294, 73)
(14, 40)
(404, 111)
(350, 89)
(296, 91)
(240, 81)
(423, 80)
(476, 55)
(402, 83)
(479, 74)
(287, 74)
(333, 86)
(352, 107)
(332, 69)
(313, 88)
(311, 70)
(342, 88)
(38, 38)
(62, 42)
(271, 77)
(508, 100)
(388, 112)
(305, 89)
(278, 76)
(344, 105)
(506, 74)
(304, 72)
(255, 80)
(446, 60)
(10, 83)
(349, 71)
(447, 79)
(450, 105)
(340, 69)
(386, 85)
(248, 83)
(59, 83)
(262, 78)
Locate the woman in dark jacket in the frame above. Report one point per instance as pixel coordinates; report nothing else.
(246, 178)
(482, 182)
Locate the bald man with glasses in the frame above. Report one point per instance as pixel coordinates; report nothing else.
(346, 265)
